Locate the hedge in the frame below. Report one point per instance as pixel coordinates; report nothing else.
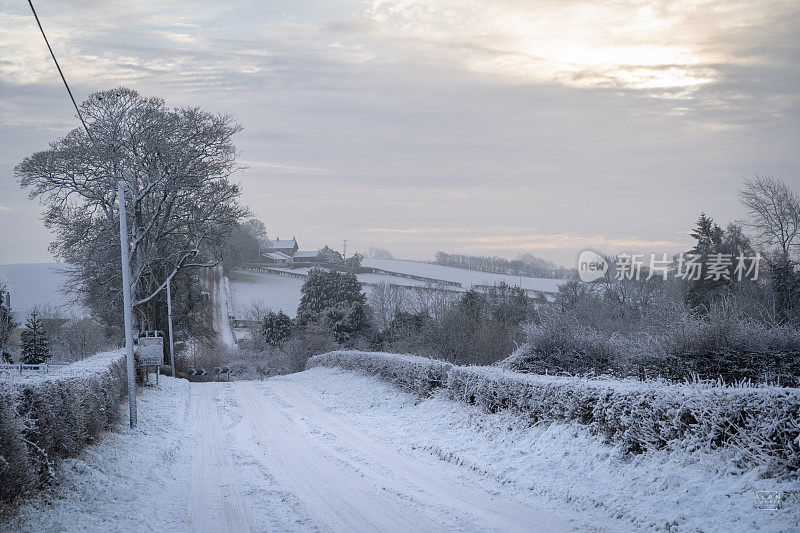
(753, 426)
(44, 417)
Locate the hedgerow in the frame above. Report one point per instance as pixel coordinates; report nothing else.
(753, 426)
(50, 416)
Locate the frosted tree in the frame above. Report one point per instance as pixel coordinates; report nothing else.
(773, 212)
(35, 344)
(176, 165)
(323, 289)
(277, 327)
(334, 299)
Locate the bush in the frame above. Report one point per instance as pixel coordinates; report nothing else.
(45, 417)
(725, 343)
(416, 374)
(754, 426)
(276, 327)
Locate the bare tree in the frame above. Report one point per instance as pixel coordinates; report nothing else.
(774, 212)
(82, 338)
(385, 300)
(176, 165)
(378, 253)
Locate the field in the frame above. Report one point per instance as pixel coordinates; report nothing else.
(279, 293)
(467, 278)
(283, 292)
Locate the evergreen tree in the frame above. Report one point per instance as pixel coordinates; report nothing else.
(346, 321)
(710, 240)
(354, 260)
(35, 344)
(335, 299)
(328, 288)
(329, 255)
(277, 327)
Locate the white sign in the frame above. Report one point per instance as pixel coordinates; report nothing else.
(151, 351)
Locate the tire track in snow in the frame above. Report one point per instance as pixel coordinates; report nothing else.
(405, 471)
(337, 497)
(215, 503)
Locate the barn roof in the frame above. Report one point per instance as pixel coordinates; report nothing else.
(276, 255)
(285, 243)
(306, 253)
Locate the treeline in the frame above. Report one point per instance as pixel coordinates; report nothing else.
(524, 265)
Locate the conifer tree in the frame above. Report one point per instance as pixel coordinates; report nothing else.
(35, 344)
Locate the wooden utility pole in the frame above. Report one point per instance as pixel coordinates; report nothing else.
(169, 316)
(127, 304)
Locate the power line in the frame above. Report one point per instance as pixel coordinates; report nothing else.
(53, 55)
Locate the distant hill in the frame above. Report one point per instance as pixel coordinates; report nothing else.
(35, 285)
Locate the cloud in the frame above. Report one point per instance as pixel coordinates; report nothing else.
(443, 123)
(279, 168)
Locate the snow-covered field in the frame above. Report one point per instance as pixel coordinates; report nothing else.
(35, 285)
(283, 292)
(467, 278)
(333, 450)
(279, 293)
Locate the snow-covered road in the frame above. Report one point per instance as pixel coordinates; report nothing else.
(330, 450)
(342, 478)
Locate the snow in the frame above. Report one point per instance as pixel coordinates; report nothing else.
(466, 277)
(283, 293)
(573, 469)
(277, 256)
(131, 480)
(283, 243)
(97, 363)
(35, 285)
(299, 254)
(279, 293)
(332, 450)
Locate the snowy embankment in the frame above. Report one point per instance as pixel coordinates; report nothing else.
(747, 428)
(44, 417)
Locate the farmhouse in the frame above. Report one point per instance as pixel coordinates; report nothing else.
(284, 252)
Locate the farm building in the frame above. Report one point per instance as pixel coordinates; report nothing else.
(284, 252)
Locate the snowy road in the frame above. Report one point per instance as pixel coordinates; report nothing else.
(330, 450)
(343, 479)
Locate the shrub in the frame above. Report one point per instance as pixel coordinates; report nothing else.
(416, 374)
(276, 327)
(45, 417)
(753, 426)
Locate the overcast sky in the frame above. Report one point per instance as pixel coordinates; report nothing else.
(500, 127)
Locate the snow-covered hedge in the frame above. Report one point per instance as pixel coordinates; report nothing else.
(47, 416)
(416, 374)
(752, 426)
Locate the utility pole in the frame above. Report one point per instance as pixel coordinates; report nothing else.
(127, 304)
(344, 248)
(169, 316)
